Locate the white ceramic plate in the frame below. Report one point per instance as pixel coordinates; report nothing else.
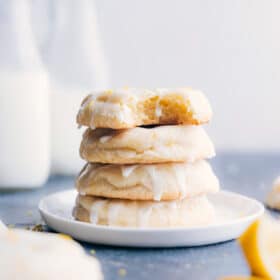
(235, 213)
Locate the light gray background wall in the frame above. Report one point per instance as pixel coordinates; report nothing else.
(229, 49)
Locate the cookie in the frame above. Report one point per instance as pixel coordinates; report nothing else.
(190, 212)
(174, 143)
(273, 198)
(131, 107)
(166, 181)
(30, 255)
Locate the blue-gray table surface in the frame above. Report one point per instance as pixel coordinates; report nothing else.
(249, 174)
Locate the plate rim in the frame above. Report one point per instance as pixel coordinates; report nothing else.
(244, 219)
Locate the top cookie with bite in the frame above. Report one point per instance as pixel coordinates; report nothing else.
(130, 107)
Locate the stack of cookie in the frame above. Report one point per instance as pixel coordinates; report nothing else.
(145, 151)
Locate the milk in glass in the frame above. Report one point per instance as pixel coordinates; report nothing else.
(24, 108)
(77, 65)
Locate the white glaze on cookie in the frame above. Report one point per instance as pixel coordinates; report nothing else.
(113, 212)
(170, 143)
(94, 212)
(180, 175)
(142, 214)
(147, 181)
(105, 138)
(124, 107)
(127, 170)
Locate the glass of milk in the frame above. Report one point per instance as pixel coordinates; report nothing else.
(24, 102)
(77, 64)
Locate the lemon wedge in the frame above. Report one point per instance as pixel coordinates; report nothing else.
(261, 246)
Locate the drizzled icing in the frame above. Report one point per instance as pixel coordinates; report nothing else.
(113, 212)
(120, 104)
(122, 112)
(89, 102)
(180, 176)
(94, 212)
(127, 170)
(125, 111)
(144, 215)
(178, 180)
(92, 126)
(158, 110)
(157, 182)
(105, 138)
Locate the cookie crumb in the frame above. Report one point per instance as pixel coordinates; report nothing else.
(38, 228)
(122, 272)
(109, 91)
(29, 213)
(92, 252)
